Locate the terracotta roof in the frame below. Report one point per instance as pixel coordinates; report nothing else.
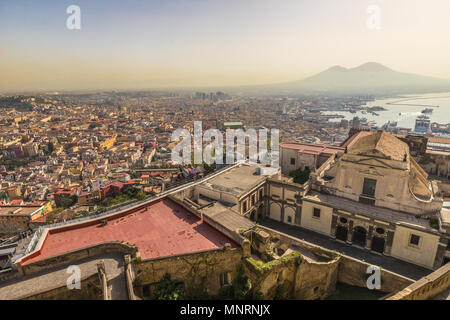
(165, 229)
(354, 138)
(312, 148)
(381, 142)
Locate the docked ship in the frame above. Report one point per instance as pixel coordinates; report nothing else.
(423, 124)
(427, 110)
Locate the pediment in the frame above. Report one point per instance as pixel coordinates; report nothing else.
(373, 162)
(371, 171)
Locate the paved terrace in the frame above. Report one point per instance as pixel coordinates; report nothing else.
(237, 180)
(162, 229)
(227, 217)
(405, 269)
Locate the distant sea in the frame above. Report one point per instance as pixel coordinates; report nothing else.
(404, 110)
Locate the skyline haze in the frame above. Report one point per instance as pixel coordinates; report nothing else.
(161, 44)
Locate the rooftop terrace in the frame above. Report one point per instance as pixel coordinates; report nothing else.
(164, 229)
(236, 180)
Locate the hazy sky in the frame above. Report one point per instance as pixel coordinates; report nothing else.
(164, 43)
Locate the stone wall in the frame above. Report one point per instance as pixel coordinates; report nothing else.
(90, 290)
(316, 280)
(274, 279)
(292, 277)
(129, 277)
(313, 276)
(346, 269)
(198, 271)
(353, 272)
(103, 280)
(427, 287)
(288, 241)
(76, 255)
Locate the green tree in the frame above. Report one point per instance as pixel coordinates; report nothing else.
(239, 289)
(140, 195)
(167, 289)
(67, 202)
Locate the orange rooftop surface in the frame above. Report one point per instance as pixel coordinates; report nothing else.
(164, 229)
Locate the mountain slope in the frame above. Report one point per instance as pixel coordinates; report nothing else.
(370, 77)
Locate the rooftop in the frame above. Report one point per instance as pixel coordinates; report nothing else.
(312, 148)
(382, 143)
(19, 209)
(227, 217)
(164, 229)
(236, 180)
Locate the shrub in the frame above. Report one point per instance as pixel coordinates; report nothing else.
(167, 289)
(300, 176)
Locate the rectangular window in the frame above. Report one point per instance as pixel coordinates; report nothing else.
(316, 213)
(260, 193)
(253, 199)
(414, 240)
(244, 206)
(292, 161)
(369, 187)
(289, 219)
(224, 279)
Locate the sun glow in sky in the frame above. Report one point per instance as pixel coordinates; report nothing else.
(187, 43)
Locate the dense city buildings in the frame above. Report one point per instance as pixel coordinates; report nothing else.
(88, 179)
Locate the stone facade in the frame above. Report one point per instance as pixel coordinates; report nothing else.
(198, 272)
(427, 287)
(374, 195)
(91, 289)
(353, 272)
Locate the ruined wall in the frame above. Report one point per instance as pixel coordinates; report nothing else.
(198, 271)
(287, 241)
(435, 163)
(427, 287)
(316, 280)
(353, 272)
(90, 290)
(274, 279)
(311, 277)
(129, 277)
(344, 268)
(292, 277)
(103, 280)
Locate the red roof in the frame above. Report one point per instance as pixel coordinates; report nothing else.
(165, 229)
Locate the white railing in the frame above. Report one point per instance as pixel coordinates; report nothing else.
(34, 241)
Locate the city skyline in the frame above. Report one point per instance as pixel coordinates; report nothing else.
(160, 44)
